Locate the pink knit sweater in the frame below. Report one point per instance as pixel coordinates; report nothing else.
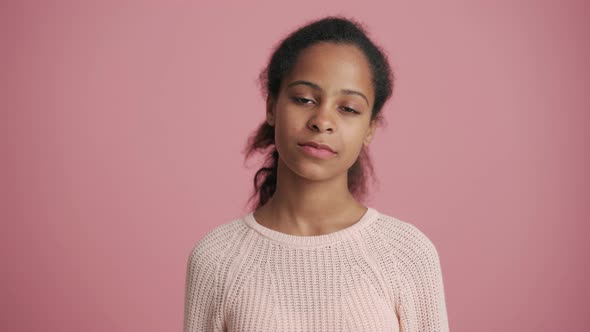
(380, 274)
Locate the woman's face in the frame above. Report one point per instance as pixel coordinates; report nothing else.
(327, 98)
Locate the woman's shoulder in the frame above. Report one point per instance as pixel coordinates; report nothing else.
(217, 240)
(403, 236)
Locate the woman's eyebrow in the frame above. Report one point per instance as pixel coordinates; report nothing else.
(317, 87)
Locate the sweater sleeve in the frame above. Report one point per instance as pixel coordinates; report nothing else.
(420, 300)
(203, 294)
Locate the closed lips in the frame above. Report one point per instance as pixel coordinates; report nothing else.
(318, 146)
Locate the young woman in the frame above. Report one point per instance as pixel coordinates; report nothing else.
(310, 256)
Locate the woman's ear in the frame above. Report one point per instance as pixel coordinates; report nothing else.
(370, 133)
(270, 116)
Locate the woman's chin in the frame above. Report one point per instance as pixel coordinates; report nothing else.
(314, 172)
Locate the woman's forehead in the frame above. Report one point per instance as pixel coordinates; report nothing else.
(333, 67)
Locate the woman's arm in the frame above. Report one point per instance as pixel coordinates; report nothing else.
(420, 298)
(203, 296)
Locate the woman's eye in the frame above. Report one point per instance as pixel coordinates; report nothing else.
(349, 110)
(304, 101)
(301, 100)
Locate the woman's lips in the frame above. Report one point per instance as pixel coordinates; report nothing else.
(318, 153)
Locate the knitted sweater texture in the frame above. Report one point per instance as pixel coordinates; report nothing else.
(379, 274)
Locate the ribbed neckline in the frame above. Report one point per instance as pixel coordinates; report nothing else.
(313, 240)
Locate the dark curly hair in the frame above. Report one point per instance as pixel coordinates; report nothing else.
(332, 29)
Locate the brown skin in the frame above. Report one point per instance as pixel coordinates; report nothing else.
(312, 196)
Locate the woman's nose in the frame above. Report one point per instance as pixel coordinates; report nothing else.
(322, 119)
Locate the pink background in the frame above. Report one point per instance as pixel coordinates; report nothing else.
(122, 125)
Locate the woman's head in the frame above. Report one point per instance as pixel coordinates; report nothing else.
(325, 82)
